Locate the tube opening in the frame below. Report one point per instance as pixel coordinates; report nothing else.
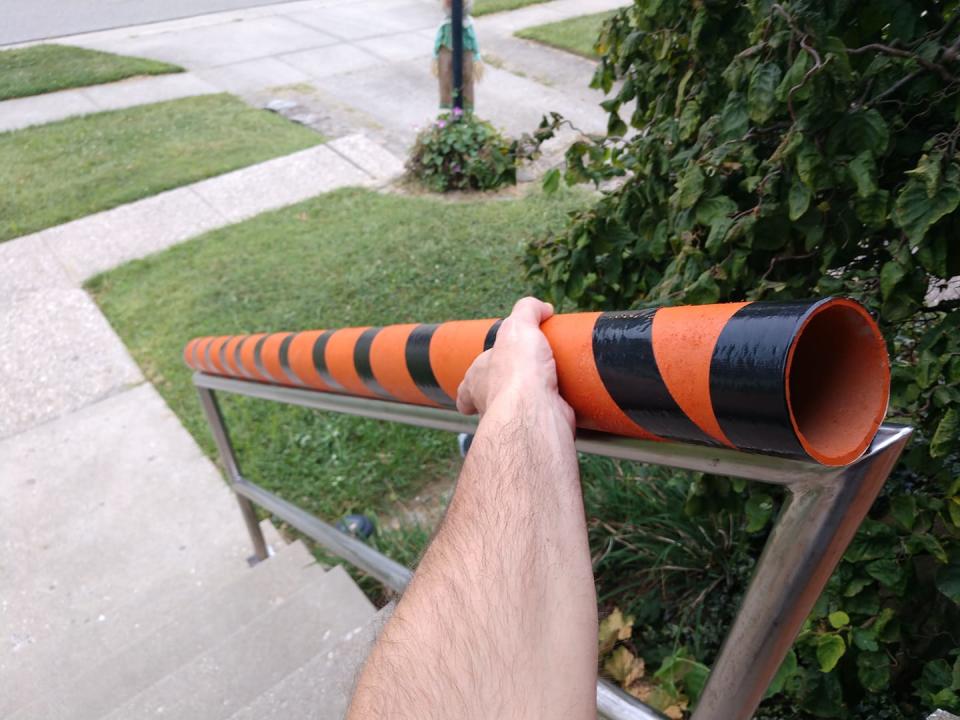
(838, 382)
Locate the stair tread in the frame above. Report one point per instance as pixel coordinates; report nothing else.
(321, 688)
(42, 666)
(202, 620)
(218, 682)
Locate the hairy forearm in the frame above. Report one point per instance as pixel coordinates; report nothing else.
(500, 619)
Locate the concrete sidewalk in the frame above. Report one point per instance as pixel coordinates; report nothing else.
(367, 64)
(66, 355)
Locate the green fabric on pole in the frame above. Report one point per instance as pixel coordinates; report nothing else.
(445, 38)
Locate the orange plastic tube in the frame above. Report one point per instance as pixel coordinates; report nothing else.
(806, 380)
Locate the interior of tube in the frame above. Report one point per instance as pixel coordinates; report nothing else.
(838, 382)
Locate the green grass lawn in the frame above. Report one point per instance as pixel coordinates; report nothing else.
(349, 258)
(485, 7)
(577, 35)
(54, 173)
(45, 68)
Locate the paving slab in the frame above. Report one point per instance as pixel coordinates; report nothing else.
(23, 112)
(276, 183)
(403, 46)
(143, 90)
(98, 242)
(253, 75)
(333, 60)
(100, 506)
(59, 354)
(215, 45)
(26, 265)
(371, 157)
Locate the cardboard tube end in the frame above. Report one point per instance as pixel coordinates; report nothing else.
(838, 382)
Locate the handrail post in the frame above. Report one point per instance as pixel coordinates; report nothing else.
(816, 524)
(211, 408)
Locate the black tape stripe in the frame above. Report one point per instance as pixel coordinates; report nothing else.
(258, 358)
(623, 352)
(491, 337)
(361, 361)
(207, 362)
(320, 360)
(238, 359)
(748, 376)
(284, 355)
(417, 354)
(223, 355)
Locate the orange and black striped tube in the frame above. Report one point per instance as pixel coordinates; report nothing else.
(801, 379)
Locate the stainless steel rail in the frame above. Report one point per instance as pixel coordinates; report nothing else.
(824, 508)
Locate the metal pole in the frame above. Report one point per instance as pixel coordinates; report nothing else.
(229, 459)
(815, 526)
(456, 27)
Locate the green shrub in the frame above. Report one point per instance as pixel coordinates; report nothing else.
(776, 151)
(461, 152)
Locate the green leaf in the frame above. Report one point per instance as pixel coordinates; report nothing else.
(734, 118)
(838, 619)
(863, 170)
(704, 290)
(551, 180)
(920, 543)
(891, 273)
(689, 186)
(928, 169)
(915, 211)
(886, 571)
(787, 668)
(872, 210)
(758, 509)
(761, 94)
(855, 586)
(793, 76)
(904, 510)
(719, 207)
(830, 648)
(873, 670)
(867, 131)
(948, 581)
(799, 199)
(811, 167)
(865, 639)
(947, 434)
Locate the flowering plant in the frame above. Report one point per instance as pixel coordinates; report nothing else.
(461, 152)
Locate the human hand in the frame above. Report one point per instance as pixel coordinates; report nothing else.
(520, 365)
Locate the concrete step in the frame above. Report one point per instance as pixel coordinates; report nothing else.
(42, 667)
(321, 689)
(217, 683)
(203, 621)
(99, 506)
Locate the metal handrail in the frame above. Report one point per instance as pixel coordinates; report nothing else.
(822, 511)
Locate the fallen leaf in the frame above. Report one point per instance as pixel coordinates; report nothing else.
(624, 667)
(614, 627)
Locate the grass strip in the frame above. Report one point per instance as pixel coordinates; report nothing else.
(578, 35)
(348, 258)
(51, 174)
(486, 7)
(45, 68)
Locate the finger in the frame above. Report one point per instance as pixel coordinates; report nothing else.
(472, 384)
(531, 310)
